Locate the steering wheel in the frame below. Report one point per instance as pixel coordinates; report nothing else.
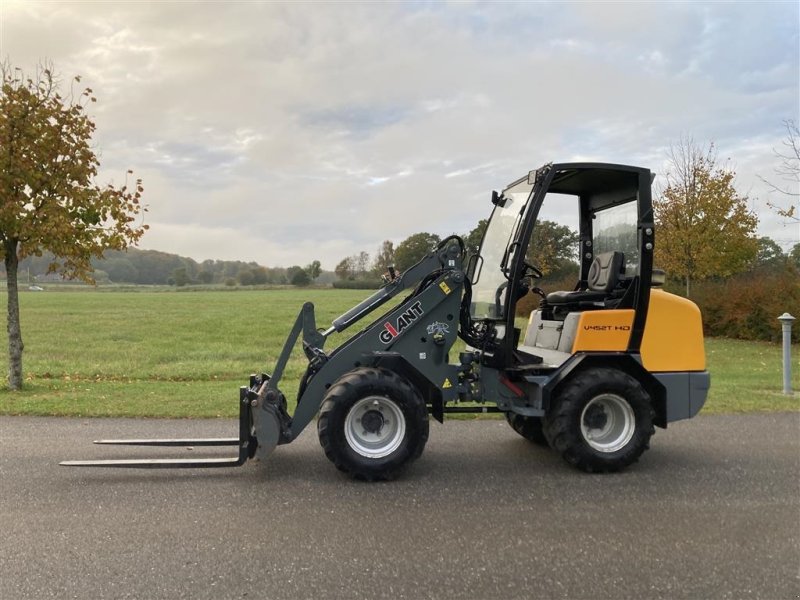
(534, 273)
(524, 287)
(531, 271)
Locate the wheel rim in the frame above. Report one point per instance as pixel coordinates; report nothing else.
(607, 423)
(375, 427)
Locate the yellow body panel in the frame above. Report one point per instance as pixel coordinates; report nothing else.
(608, 330)
(673, 335)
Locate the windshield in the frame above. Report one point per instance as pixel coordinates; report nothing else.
(489, 289)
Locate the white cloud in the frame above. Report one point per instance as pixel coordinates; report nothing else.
(284, 133)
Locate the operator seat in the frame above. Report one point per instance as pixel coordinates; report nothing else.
(604, 275)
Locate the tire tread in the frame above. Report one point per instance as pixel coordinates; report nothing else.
(561, 425)
(356, 384)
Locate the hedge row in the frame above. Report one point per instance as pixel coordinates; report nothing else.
(356, 284)
(746, 306)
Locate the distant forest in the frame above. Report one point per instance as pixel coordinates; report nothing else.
(151, 267)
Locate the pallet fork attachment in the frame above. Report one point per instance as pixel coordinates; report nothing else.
(246, 441)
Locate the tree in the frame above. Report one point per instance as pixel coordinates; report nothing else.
(770, 254)
(205, 276)
(276, 275)
(346, 269)
(361, 261)
(245, 276)
(292, 271)
(413, 248)
(313, 270)
(119, 269)
(300, 278)
(704, 226)
(49, 201)
(794, 255)
(473, 239)
(789, 171)
(353, 267)
(259, 275)
(553, 247)
(383, 259)
(180, 276)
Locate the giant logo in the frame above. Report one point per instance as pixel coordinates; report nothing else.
(404, 321)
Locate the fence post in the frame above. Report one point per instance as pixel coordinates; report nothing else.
(786, 322)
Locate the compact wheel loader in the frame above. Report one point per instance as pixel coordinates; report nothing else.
(591, 375)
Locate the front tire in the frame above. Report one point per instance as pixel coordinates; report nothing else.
(372, 424)
(601, 421)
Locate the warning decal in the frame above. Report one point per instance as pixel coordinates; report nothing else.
(446, 384)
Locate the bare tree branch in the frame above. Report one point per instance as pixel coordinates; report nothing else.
(787, 170)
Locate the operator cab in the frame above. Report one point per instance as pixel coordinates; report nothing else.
(613, 254)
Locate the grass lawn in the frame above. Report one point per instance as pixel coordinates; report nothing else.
(748, 376)
(173, 354)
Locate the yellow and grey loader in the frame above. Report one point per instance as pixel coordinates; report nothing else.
(592, 374)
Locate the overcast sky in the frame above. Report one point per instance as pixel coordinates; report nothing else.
(288, 132)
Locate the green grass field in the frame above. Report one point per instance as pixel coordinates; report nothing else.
(166, 354)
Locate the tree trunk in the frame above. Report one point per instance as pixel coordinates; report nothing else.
(15, 345)
(687, 286)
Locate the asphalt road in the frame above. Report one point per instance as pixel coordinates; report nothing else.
(711, 511)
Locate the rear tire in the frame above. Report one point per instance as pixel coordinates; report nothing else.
(372, 424)
(601, 421)
(528, 427)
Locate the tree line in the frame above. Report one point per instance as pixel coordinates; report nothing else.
(151, 267)
(553, 248)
